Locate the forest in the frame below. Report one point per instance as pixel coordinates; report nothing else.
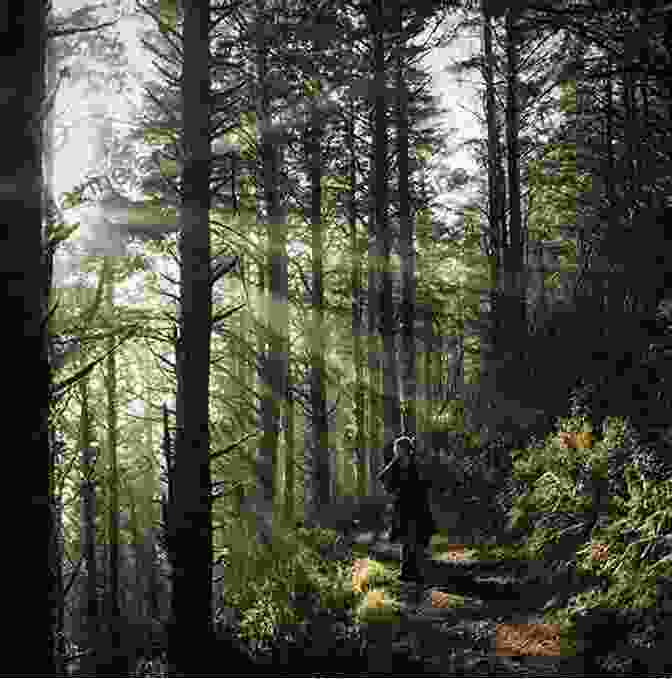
(243, 253)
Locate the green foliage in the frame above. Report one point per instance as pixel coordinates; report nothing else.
(377, 607)
(158, 136)
(452, 419)
(168, 12)
(59, 232)
(264, 583)
(555, 186)
(563, 493)
(74, 198)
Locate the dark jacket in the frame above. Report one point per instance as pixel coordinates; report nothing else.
(412, 501)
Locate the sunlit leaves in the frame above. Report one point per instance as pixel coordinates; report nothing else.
(71, 199)
(312, 87)
(167, 16)
(168, 167)
(568, 97)
(156, 136)
(57, 233)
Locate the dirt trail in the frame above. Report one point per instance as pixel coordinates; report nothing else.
(495, 630)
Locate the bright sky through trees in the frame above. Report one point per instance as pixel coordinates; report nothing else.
(78, 156)
(80, 108)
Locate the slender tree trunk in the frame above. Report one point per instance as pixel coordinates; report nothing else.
(318, 397)
(191, 638)
(391, 406)
(274, 386)
(168, 491)
(373, 344)
(428, 345)
(497, 228)
(514, 258)
(58, 552)
(149, 517)
(407, 251)
(277, 362)
(361, 452)
(90, 611)
(138, 556)
(113, 613)
(290, 453)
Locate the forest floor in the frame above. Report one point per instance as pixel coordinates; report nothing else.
(469, 617)
(472, 617)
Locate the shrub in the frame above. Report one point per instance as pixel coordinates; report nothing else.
(276, 588)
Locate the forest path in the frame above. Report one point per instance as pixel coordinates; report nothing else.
(476, 618)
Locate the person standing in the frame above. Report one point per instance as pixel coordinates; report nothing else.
(413, 522)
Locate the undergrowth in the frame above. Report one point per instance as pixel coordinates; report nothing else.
(276, 588)
(600, 503)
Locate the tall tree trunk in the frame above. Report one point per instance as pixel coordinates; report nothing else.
(50, 218)
(318, 398)
(138, 555)
(91, 613)
(245, 357)
(58, 552)
(391, 406)
(289, 503)
(149, 518)
(429, 348)
(374, 352)
(515, 293)
(407, 251)
(503, 348)
(23, 35)
(497, 227)
(190, 646)
(361, 453)
(113, 613)
(277, 320)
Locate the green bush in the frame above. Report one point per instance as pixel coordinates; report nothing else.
(276, 588)
(595, 497)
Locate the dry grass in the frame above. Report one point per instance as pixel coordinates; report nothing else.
(536, 639)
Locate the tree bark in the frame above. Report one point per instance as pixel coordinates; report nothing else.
(497, 227)
(90, 612)
(407, 251)
(505, 334)
(496, 179)
(515, 315)
(373, 347)
(113, 613)
(318, 397)
(290, 454)
(360, 450)
(274, 386)
(191, 637)
(391, 406)
(22, 56)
